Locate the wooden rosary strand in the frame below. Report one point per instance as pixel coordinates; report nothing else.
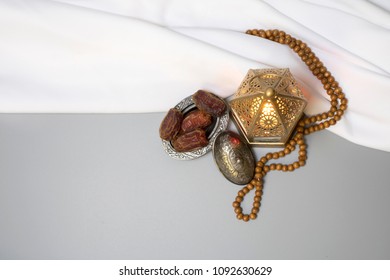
(307, 125)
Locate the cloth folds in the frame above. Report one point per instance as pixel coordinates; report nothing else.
(118, 56)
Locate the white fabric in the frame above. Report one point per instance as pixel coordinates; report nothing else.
(146, 55)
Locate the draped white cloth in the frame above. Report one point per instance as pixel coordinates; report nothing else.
(115, 56)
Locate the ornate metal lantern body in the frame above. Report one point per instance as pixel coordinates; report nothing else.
(267, 106)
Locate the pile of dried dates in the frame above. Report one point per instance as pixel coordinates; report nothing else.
(188, 132)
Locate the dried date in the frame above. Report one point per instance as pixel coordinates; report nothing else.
(196, 119)
(171, 124)
(190, 141)
(208, 102)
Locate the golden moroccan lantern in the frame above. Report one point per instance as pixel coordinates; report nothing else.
(267, 106)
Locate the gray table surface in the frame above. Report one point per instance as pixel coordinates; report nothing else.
(98, 186)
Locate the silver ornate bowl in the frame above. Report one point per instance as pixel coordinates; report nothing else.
(219, 124)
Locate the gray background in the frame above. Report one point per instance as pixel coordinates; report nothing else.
(99, 186)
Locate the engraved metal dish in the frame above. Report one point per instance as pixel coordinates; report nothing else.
(219, 124)
(233, 157)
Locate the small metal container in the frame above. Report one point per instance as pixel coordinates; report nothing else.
(233, 157)
(219, 124)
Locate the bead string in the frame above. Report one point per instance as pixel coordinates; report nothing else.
(307, 125)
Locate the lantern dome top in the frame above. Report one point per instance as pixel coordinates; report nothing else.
(267, 106)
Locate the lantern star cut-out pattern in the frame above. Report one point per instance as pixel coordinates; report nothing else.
(267, 106)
